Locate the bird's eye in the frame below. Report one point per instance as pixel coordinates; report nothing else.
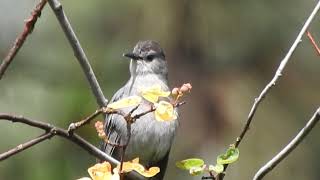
(150, 57)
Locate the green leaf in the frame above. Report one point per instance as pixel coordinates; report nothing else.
(187, 164)
(230, 156)
(218, 168)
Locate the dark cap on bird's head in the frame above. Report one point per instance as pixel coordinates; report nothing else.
(146, 50)
(147, 57)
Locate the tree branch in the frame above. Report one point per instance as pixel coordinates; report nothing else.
(52, 131)
(25, 146)
(73, 126)
(277, 75)
(78, 51)
(273, 82)
(62, 133)
(313, 42)
(289, 148)
(128, 117)
(28, 27)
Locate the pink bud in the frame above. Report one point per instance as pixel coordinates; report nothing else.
(98, 125)
(175, 91)
(186, 87)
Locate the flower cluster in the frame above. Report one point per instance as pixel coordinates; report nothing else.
(164, 110)
(104, 171)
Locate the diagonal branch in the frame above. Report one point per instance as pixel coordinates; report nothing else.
(62, 133)
(56, 131)
(78, 52)
(290, 147)
(25, 146)
(28, 27)
(278, 74)
(273, 82)
(73, 126)
(313, 42)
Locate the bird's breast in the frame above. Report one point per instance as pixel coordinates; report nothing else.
(150, 139)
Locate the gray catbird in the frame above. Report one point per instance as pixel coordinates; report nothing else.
(150, 139)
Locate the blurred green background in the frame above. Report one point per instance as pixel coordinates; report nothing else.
(228, 50)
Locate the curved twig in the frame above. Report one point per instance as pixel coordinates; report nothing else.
(273, 81)
(278, 73)
(28, 27)
(289, 148)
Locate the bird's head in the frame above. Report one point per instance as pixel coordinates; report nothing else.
(147, 57)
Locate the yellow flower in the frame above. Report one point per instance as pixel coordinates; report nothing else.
(125, 102)
(102, 171)
(153, 93)
(134, 165)
(164, 111)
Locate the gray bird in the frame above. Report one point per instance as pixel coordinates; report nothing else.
(151, 140)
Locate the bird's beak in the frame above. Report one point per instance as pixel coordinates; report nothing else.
(131, 56)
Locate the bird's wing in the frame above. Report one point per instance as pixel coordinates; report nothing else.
(110, 127)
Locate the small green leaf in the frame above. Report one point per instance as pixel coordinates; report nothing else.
(196, 170)
(218, 168)
(187, 164)
(230, 156)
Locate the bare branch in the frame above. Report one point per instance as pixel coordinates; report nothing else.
(25, 146)
(128, 117)
(76, 125)
(60, 132)
(313, 42)
(137, 116)
(53, 131)
(272, 83)
(277, 75)
(28, 27)
(290, 147)
(78, 51)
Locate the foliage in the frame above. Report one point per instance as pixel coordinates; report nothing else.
(197, 166)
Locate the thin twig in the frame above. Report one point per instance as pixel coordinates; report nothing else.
(124, 148)
(107, 141)
(289, 148)
(313, 42)
(91, 149)
(73, 126)
(63, 133)
(137, 116)
(128, 117)
(272, 83)
(28, 27)
(278, 74)
(78, 52)
(25, 146)
(208, 177)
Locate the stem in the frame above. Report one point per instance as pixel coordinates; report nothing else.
(78, 52)
(290, 147)
(28, 27)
